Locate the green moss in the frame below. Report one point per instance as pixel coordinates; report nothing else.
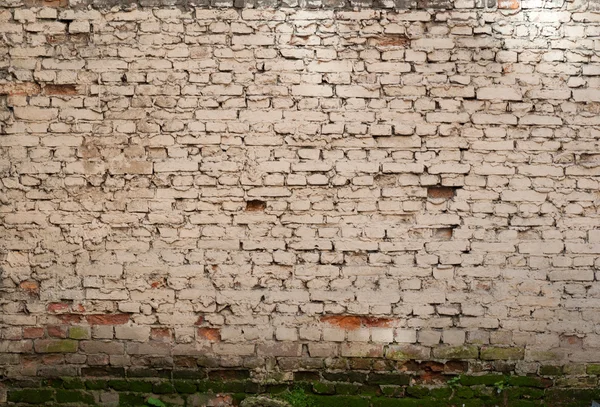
(551, 370)
(74, 396)
(79, 332)
(391, 391)
(73, 383)
(96, 384)
(419, 392)
(131, 400)
(57, 346)
(488, 380)
(140, 386)
(119, 385)
(442, 393)
(185, 386)
(456, 352)
(593, 369)
(31, 396)
(340, 401)
(323, 388)
(163, 388)
(526, 381)
(464, 392)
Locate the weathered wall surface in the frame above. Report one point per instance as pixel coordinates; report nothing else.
(288, 188)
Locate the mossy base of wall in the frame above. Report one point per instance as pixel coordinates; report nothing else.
(392, 391)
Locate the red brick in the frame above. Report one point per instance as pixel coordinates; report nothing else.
(60, 90)
(351, 322)
(57, 331)
(31, 333)
(160, 334)
(19, 89)
(210, 334)
(107, 319)
(57, 307)
(30, 287)
(255, 206)
(440, 192)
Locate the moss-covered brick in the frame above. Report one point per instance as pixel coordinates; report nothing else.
(487, 380)
(339, 401)
(391, 390)
(456, 352)
(464, 392)
(118, 384)
(131, 400)
(185, 386)
(496, 353)
(551, 370)
(80, 332)
(388, 378)
(352, 377)
(56, 346)
(324, 388)
(347, 388)
(441, 393)
(591, 369)
(529, 393)
(140, 386)
(391, 402)
(370, 390)
(96, 384)
(73, 383)
(163, 388)
(31, 396)
(75, 397)
(417, 391)
(528, 381)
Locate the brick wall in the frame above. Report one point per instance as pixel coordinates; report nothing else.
(299, 187)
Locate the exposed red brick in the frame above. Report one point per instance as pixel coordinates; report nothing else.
(69, 318)
(455, 366)
(343, 321)
(57, 307)
(351, 322)
(30, 287)
(57, 331)
(200, 320)
(19, 89)
(376, 322)
(255, 206)
(440, 192)
(31, 333)
(571, 341)
(60, 90)
(53, 359)
(79, 308)
(107, 319)
(442, 233)
(158, 283)
(160, 334)
(210, 334)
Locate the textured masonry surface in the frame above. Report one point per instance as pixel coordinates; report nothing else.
(285, 189)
